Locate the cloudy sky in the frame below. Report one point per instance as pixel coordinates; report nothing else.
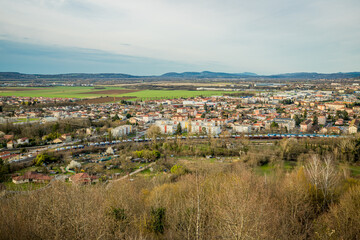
(146, 37)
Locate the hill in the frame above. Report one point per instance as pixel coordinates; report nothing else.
(207, 74)
(19, 76)
(185, 75)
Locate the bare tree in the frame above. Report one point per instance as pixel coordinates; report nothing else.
(348, 148)
(153, 132)
(323, 177)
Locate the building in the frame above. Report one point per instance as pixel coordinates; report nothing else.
(354, 126)
(32, 177)
(321, 107)
(204, 127)
(335, 105)
(82, 178)
(10, 144)
(242, 128)
(23, 141)
(339, 122)
(67, 137)
(284, 123)
(322, 120)
(334, 130)
(121, 131)
(8, 137)
(197, 126)
(90, 130)
(59, 140)
(168, 126)
(306, 126)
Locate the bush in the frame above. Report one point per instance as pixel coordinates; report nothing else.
(157, 222)
(343, 220)
(178, 169)
(44, 158)
(119, 214)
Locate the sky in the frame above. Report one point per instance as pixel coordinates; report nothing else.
(151, 37)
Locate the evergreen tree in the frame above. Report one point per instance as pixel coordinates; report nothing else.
(178, 129)
(115, 118)
(274, 125)
(305, 114)
(315, 120)
(297, 120)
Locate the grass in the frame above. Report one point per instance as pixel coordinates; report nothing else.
(115, 170)
(58, 92)
(160, 94)
(289, 165)
(264, 169)
(10, 186)
(25, 119)
(29, 169)
(76, 92)
(355, 170)
(269, 168)
(146, 172)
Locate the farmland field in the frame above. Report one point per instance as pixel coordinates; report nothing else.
(90, 92)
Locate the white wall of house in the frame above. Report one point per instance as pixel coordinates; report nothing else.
(242, 128)
(121, 131)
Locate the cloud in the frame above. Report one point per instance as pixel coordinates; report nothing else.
(32, 58)
(260, 36)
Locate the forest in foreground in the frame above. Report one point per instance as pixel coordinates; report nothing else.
(316, 200)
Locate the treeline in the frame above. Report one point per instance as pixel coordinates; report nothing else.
(316, 201)
(240, 94)
(162, 87)
(345, 150)
(36, 131)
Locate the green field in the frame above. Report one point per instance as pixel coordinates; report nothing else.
(25, 119)
(171, 93)
(57, 92)
(77, 92)
(10, 186)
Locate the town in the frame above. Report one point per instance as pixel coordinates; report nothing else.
(34, 126)
(104, 142)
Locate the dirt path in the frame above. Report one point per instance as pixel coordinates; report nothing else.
(132, 173)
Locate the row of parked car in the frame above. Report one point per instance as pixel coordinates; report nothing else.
(256, 136)
(70, 147)
(286, 135)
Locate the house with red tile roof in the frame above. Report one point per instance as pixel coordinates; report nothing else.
(32, 177)
(82, 178)
(10, 144)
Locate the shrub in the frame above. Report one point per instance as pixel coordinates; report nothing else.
(44, 158)
(157, 222)
(343, 220)
(178, 169)
(119, 214)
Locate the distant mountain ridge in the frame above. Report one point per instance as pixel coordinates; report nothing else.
(184, 75)
(207, 74)
(314, 75)
(16, 75)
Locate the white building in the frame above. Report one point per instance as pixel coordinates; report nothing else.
(204, 127)
(242, 128)
(354, 126)
(201, 127)
(167, 126)
(121, 131)
(287, 123)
